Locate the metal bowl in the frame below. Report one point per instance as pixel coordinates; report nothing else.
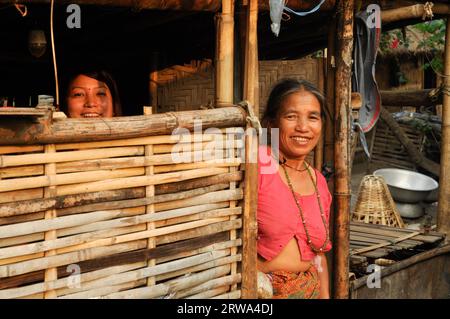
(408, 210)
(407, 186)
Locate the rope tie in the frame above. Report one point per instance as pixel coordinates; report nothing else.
(252, 119)
(428, 11)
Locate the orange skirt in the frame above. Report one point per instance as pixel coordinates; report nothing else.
(291, 285)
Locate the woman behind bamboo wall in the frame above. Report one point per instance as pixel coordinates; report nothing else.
(91, 94)
(293, 198)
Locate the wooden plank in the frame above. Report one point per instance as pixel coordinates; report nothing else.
(385, 237)
(380, 245)
(372, 241)
(392, 233)
(437, 235)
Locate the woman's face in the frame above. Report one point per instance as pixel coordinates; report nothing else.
(89, 98)
(300, 124)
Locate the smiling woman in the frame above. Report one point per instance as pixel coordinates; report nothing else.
(93, 94)
(294, 202)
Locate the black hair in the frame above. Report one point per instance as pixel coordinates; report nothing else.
(284, 88)
(102, 76)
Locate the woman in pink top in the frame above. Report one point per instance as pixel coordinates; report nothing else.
(293, 197)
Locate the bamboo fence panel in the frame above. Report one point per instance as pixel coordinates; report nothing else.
(143, 217)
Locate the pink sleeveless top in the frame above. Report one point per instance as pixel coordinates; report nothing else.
(278, 216)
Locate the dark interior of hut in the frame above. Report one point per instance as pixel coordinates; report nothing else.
(124, 40)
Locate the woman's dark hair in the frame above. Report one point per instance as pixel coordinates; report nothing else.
(105, 77)
(284, 88)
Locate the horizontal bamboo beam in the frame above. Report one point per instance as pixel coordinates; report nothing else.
(411, 12)
(197, 5)
(19, 131)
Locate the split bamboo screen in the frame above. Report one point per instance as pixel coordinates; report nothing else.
(145, 217)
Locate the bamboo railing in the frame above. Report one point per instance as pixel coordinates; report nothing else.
(148, 216)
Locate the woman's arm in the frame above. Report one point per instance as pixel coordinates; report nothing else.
(322, 267)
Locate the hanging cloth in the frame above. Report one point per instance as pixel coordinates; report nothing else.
(366, 43)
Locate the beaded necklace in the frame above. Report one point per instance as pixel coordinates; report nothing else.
(322, 215)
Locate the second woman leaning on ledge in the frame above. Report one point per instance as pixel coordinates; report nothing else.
(293, 197)
(92, 94)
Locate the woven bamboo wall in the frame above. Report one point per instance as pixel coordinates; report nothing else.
(192, 85)
(271, 72)
(122, 218)
(183, 87)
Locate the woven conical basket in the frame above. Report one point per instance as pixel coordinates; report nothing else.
(375, 204)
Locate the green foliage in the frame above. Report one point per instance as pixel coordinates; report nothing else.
(434, 37)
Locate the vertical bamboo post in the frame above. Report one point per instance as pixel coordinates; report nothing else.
(443, 218)
(251, 94)
(225, 54)
(150, 209)
(51, 274)
(233, 203)
(319, 150)
(342, 133)
(153, 82)
(330, 53)
(251, 68)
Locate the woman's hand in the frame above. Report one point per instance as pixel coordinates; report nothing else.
(322, 268)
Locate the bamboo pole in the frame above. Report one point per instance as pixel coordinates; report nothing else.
(411, 12)
(128, 182)
(68, 202)
(251, 67)
(24, 291)
(198, 5)
(342, 127)
(33, 248)
(212, 264)
(124, 258)
(202, 231)
(202, 5)
(73, 130)
(28, 194)
(443, 218)
(80, 203)
(415, 155)
(251, 94)
(225, 54)
(21, 218)
(221, 243)
(133, 220)
(199, 182)
(44, 158)
(67, 179)
(140, 201)
(319, 149)
(149, 171)
(147, 272)
(63, 222)
(65, 259)
(208, 286)
(160, 140)
(50, 274)
(110, 158)
(172, 285)
(20, 149)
